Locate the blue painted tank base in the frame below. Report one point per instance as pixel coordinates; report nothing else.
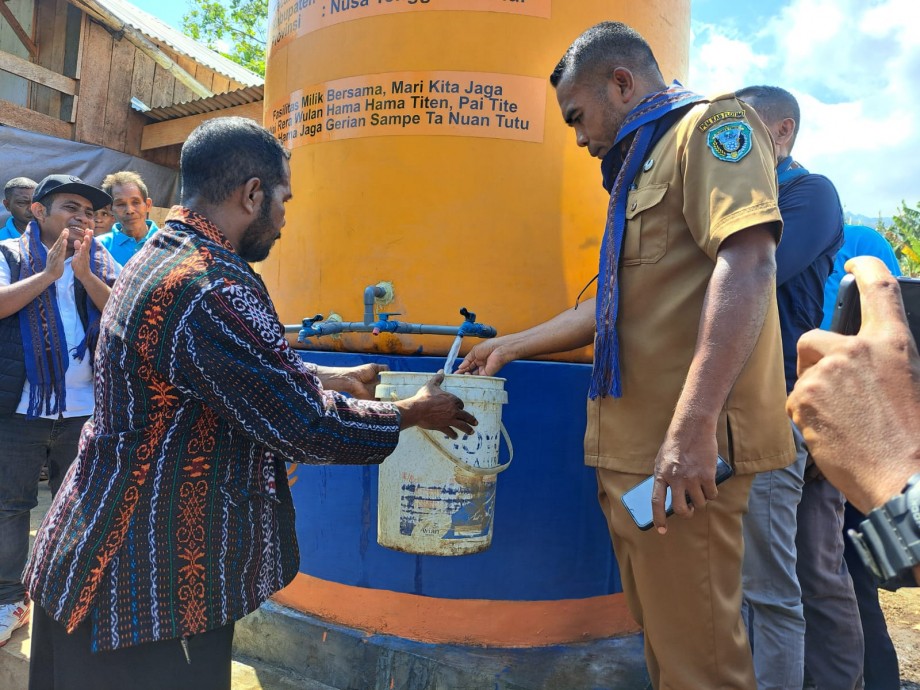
(347, 659)
(550, 539)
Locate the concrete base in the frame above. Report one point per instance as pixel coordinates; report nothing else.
(347, 659)
(277, 648)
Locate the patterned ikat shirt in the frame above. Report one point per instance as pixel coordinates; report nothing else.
(176, 517)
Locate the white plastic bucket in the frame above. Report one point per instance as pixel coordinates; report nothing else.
(436, 495)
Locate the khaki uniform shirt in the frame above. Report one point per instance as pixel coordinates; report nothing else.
(686, 200)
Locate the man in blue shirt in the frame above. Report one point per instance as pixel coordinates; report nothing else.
(793, 561)
(17, 199)
(880, 670)
(131, 206)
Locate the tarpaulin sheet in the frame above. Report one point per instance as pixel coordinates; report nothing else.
(28, 154)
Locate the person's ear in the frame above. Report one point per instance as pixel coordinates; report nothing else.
(252, 195)
(622, 84)
(785, 131)
(38, 211)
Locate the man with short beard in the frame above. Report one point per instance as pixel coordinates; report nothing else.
(179, 519)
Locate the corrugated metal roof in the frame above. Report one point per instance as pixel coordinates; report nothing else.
(158, 30)
(251, 94)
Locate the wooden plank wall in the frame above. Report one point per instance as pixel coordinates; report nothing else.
(95, 91)
(50, 36)
(13, 88)
(111, 71)
(142, 89)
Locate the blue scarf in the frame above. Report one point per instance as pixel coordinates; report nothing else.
(788, 170)
(646, 123)
(42, 330)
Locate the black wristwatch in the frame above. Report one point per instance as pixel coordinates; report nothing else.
(888, 540)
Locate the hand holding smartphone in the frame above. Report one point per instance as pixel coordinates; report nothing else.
(847, 316)
(638, 500)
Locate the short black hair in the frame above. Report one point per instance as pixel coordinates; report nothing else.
(221, 154)
(48, 200)
(17, 183)
(603, 48)
(772, 103)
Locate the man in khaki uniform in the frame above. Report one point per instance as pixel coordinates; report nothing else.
(688, 360)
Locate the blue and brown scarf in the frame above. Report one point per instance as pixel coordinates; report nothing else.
(43, 340)
(646, 124)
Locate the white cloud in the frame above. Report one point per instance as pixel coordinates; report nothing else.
(853, 66)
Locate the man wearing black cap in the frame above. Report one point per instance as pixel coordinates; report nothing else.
(54, 281)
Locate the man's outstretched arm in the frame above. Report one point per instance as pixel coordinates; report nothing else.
(569, 330)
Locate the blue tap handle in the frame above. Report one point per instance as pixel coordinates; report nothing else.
(309, 328)
(477, 330)
(470, 327)
(383, 324)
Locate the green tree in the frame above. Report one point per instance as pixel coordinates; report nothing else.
(236, 29)
(904, 236)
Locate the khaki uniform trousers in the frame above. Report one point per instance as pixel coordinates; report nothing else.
(684, 587)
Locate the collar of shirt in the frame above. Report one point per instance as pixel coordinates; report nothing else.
(9, 231)
(123, 238)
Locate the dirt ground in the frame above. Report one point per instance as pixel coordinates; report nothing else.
(902, 611)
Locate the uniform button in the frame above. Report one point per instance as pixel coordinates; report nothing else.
(633, 207)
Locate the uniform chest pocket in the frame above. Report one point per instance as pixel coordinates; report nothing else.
(646, 238)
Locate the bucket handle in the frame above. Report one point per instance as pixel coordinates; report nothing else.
(472, 469)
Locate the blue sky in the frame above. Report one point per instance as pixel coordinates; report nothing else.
(852, 64)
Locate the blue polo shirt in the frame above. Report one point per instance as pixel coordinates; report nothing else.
(122, 246)
(812, 235)
(9, 231)
(858, 240)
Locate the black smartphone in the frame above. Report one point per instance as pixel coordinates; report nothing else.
(847, 316)
(638, 500)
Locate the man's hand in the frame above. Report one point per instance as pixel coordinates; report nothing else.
(571, 329)
(857, 399)
(687, 463)
(80, 263)
(487, 358)
(435, 409)
(54, 264)
(737, 297)
(359, 382)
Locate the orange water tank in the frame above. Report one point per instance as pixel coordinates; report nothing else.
(428, 153)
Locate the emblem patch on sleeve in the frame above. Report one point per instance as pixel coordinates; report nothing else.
(730, 141)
